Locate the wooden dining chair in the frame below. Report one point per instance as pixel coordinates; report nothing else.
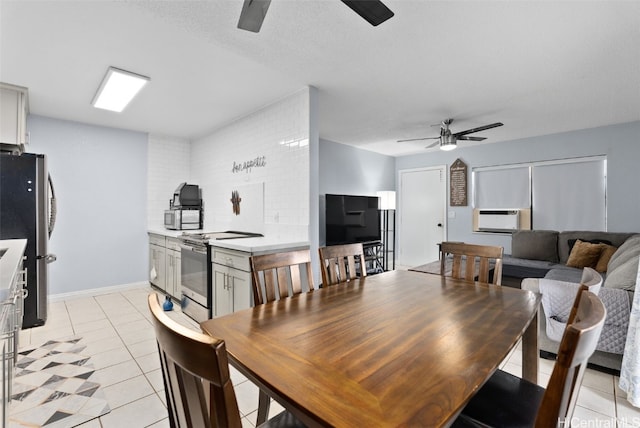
(279, 275)
(195, 371)
(276, 276)
(506, 400)
(470, 253)
(338, 263)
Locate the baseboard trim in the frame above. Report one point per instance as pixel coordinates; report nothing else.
(97, 291)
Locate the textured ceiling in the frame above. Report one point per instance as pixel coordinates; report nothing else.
(539, 67)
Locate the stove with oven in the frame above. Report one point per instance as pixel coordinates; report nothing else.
(196, 271)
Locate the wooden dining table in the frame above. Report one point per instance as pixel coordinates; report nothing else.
(396, 349)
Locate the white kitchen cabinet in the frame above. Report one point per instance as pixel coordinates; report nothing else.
(164, 264)
(172, 266)
(157, 261)
(231, 281)
(14, 108)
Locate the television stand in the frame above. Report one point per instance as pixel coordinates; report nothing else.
(373, 257)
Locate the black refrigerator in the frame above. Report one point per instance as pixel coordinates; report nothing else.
(27, 212)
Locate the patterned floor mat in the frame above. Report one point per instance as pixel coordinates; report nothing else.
(50, 388)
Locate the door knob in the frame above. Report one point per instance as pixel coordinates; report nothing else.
(439, 224)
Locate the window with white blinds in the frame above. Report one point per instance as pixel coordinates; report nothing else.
(568, 194)
(502, 188)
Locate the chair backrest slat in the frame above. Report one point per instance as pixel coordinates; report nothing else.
(578, 343)
(195, 370)
(279, 275)
(338, 263)
(470, 252)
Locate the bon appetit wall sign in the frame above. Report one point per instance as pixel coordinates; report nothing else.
(248, 165)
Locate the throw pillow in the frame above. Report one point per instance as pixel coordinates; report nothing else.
(624, 276)
(572, 242)
(605, 256)
(584, 254)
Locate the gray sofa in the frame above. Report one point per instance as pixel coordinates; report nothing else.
(544, 254)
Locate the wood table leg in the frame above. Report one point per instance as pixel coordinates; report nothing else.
(530, 351)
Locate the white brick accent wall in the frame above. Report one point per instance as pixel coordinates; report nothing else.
(168, 161)
(285, 174)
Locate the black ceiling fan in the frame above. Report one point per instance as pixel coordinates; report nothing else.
(448, 140)
(254, 11)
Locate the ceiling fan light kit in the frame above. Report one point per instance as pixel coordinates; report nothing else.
(447, 143)
(448, 140)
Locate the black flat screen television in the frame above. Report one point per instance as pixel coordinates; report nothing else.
(351, 219)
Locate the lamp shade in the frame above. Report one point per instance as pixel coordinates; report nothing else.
(387, 199)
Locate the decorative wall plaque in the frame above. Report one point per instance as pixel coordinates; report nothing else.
(235, 201)
(458, 184)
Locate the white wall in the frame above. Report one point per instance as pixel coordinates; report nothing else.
(100, 179)
(348, 170)
(167, 166)
(285, 173)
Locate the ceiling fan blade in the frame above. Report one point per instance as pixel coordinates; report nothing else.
(374, 11)
(432, 145)
(469, 138)
(252, 15)
(418, 139)
(481, 128)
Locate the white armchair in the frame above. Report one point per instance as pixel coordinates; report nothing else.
(558, 296)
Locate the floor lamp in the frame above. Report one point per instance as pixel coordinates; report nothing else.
(387, 206)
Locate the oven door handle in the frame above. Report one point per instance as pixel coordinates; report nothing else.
(200, 250)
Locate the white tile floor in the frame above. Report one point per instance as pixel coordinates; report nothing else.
(124, 352)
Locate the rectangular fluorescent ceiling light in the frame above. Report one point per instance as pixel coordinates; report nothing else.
(117, 89)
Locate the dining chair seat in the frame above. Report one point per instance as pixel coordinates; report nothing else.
(521, 401)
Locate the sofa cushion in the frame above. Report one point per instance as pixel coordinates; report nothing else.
(624, 276)
(629, 249)
(564, 273)
(584, 254)
(605, 256)
(535, 245)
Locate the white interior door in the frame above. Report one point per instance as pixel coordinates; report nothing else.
(421, 215)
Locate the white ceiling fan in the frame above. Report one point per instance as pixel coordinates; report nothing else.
(448, 140)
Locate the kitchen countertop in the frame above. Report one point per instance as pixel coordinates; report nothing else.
(258, 245)
(250, 245)
(9, 263)
(172, 233)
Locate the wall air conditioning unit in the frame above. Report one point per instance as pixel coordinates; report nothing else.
(498, 220)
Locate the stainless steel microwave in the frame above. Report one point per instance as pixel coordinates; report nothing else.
(182, 219)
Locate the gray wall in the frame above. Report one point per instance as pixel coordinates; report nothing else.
(347, 170)
(100, 180)
(620, 143)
